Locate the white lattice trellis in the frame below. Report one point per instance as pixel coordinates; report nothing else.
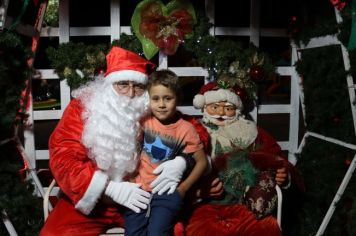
(254, 32)
(321, 42)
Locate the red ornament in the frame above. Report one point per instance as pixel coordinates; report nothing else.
(347, 162)
(99, 71)
(241, 93)
(336, 120)
(293, 25)
(257, 73)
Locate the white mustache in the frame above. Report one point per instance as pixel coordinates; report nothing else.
(223, 117)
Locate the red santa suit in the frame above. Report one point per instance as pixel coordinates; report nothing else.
(230, 216)
(96, 142)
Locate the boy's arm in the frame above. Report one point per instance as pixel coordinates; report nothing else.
(201, 164)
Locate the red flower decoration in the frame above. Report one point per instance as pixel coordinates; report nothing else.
(162, 27)
(338, 4)
(166, 32)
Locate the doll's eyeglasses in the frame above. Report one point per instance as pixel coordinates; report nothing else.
(219, 107)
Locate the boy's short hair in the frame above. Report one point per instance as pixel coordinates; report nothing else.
(166, 78)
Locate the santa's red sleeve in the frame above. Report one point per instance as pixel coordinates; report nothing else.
(76, 174)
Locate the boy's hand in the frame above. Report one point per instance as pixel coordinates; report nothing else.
(181, 191)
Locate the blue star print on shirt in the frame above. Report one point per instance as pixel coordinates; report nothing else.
(157, 150)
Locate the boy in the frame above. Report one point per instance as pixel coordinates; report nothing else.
(166, 135)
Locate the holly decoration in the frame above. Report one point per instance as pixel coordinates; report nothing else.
(228, 62)
(162, 27)
(243, 79)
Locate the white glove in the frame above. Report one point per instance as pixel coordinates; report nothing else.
(171, 174)
(129, 195)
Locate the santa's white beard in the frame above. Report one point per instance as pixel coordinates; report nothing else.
(219, 120)
(111, 127)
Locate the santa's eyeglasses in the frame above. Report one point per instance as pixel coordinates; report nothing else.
(125, 86)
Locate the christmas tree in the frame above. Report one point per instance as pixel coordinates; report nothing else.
(327, 113)
(18, 204)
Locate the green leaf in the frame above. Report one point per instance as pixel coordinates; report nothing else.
(149, 48)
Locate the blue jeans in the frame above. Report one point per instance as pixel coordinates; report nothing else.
(157, 220)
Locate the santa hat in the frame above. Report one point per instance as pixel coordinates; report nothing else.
(124, 65)
(211, 93)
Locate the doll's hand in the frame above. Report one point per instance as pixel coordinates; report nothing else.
(214, 190)
(281, 176)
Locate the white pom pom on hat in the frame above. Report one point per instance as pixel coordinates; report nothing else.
(199, 101)
(124, 65)
(211, 93)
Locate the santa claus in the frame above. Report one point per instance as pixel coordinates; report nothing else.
(245, 161)
(94, 150)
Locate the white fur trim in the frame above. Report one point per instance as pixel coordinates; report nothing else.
(217, 96)
(127, 75)
(199, 101)
(94, 191)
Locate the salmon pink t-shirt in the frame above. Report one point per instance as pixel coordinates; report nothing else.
(164, 142)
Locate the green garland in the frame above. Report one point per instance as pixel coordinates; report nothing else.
(13, 74)
(223, 58)
(213, 52)
(326, 98)
(16, 195)
(322, 176)
(77, 62)
(308, 24)
(51, 16)
(327, 112)
(227, 60)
